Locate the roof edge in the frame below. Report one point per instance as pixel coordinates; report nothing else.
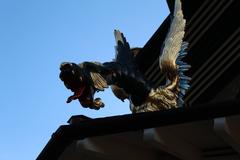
(66, 134)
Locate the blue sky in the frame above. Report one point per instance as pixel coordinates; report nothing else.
(35, 37)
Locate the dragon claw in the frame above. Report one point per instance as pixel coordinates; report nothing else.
(97, 103)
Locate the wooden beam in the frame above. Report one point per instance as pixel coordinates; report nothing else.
(170, 142)
(228, 129)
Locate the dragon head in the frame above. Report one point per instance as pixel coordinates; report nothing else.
(77, 79)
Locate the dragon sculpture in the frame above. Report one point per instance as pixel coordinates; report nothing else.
(126, 81)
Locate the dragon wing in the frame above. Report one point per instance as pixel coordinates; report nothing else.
(173, 42)
(94, 73)
(173, 51)
(123, 55)
(99, 82)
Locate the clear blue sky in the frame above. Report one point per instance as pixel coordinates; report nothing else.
(35, 37)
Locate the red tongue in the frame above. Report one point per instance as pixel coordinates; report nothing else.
(80, 91)
(77, 94)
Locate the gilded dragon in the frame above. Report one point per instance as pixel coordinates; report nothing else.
(124, 77)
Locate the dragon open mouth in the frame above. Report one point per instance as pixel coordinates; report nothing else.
(73, 79)
(77, 94)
